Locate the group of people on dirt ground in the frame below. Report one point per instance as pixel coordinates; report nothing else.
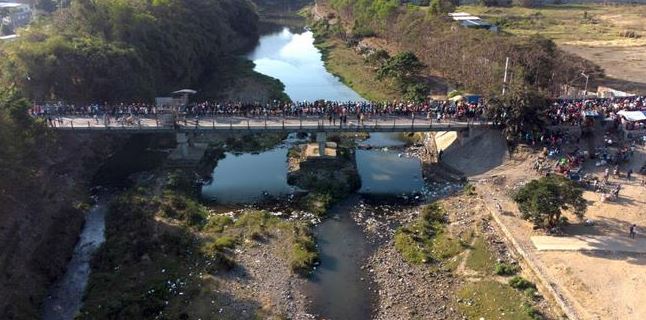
(573, 112)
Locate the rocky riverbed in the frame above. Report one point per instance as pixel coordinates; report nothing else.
(427, 291)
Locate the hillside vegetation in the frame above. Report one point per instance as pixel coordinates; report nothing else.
(115, 50)
(466, 58)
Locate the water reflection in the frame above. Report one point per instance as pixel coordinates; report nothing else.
(388, 172)
(293, 59)
(247, 178)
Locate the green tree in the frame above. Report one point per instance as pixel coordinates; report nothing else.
(542, 201)
(403, 67)
(521, 109)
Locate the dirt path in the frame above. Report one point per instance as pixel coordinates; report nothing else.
(604, 284)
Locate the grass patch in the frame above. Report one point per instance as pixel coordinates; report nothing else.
(304, 253)
(567, 23)
(425, 240)
(480, 258)
(490, 299)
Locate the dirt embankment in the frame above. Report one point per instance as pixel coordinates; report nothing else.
(38, 230)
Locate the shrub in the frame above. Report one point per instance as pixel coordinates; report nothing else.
(304, 253)
(469, 189)
(433, 213)
(412, 251)
(520, 283)
(506, 269)
(225, 242)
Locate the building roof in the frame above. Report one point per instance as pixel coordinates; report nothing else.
(11, 5)
(9, 37)
(461, 18)
(459, 14)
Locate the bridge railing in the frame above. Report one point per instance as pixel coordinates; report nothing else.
(375, 123)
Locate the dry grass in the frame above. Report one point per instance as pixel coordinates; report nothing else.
(591, 24)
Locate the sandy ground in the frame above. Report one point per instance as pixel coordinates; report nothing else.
(594, 284)
(624, 65)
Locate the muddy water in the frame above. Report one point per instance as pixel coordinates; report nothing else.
(64, 299)
(339, 288)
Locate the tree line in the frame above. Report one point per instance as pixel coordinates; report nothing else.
(126, 50)
(467, 58)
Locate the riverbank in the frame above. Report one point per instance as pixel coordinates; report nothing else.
(465, 251)
(185, 259)
(345, 63)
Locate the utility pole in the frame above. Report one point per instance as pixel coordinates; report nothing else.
(504, 80)
(585, 91)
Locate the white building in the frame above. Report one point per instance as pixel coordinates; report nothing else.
(14, 15)
(468, 20)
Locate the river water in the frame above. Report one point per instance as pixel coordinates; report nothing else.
(64, 299)
(339, 288)
(293, 59)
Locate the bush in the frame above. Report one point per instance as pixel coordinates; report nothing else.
(412, 251)
(304, 253)
(433, 213)
(469, 189)
(225, 242)
(506, 269)
(520, 283)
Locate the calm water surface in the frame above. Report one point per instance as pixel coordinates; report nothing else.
(294, 60)
(248, 177)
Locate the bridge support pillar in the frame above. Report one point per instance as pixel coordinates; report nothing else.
(182, 144)
(321, 138)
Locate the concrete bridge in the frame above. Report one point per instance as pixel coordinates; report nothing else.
(310, 124)
(188, 127)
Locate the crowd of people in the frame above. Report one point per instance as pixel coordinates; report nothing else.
(439, 109)
(573, 112)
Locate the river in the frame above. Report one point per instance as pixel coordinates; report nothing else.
(339, 288)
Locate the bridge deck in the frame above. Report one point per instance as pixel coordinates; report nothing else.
(242, 124)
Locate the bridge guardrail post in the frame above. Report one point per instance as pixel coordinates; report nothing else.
(394, 121)
(230, 124)
(412, 124)
(72, 124)
(213, 122)
(301, 120)
(283, 124)
(248, 125)
(375, 124)
(88, 124)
